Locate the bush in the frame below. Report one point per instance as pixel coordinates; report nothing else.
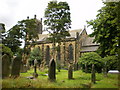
(6, 50)
(35, 54)
(87, 59)
(111, 62)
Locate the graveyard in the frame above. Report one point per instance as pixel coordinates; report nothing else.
(47, 53)
(80, 80)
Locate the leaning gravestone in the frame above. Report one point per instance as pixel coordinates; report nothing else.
(93, 74)
(52, 70)
(70, 72)
(16, 67)
(5, 66)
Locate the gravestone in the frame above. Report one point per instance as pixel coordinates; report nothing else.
(35, 75)
(5, 66)
(93, 74)
(52, 70)
(70, 71)
(16, 67)
(23, 68)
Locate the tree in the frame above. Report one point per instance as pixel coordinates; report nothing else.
(25, 30)
(111, 62)
(6, 50)
(57, 21)
(35, 54)
(87, 59)
(107, 29)
(2, 31)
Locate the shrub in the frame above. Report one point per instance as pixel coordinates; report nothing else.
(35, 54)
(111, 62)
(90, 58)
(6, 50)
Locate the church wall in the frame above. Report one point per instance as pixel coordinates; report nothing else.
(76, 45)
(62, 54)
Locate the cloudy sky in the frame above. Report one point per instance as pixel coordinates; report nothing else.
(12, 11)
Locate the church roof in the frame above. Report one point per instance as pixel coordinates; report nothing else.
(88, 45)
(89, 41)
(73, 34)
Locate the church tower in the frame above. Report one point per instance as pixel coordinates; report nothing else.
(39, 25)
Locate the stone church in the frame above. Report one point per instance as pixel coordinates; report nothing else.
(70, 50)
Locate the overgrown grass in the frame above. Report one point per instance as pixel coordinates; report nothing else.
(81, 80)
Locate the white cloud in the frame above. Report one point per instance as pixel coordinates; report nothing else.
(12, 11)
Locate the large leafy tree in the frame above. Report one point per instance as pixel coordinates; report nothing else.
(25, 30)
(57, 21)
(107, 28)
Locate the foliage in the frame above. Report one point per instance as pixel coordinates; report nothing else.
(35, 54)
(89, 59)
(111, 62)
(6, 50)
(2, 30)
(23, 30)
(106, 28)
(57, 21)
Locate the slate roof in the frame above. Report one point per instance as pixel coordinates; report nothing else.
(89, 41)
(43, 37)
(88, 45)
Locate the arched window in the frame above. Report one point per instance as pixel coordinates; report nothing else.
(47, 57)
(58, 53)
(70, 52)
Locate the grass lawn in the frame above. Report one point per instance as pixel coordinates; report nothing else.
(81, 80)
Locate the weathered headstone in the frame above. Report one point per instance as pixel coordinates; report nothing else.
(52, 70)
(16, 67)
(5, 66)
(93, 77)
(35, 75)
(23, 68)
(70, 71)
